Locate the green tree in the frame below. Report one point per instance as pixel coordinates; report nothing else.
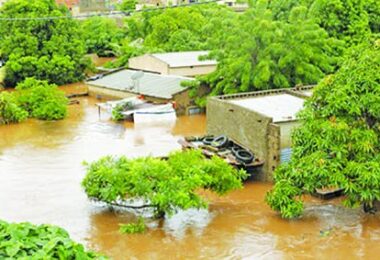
(179, 29)
(337, 144)
(261, 53)
(101, 34)
(48, 49)
(346, 20)
(164, 185)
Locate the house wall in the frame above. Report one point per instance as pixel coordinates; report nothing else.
(108, 93)
(246, 127)
(148, 63)
(182, 100)
(192, 70)
(286, 129)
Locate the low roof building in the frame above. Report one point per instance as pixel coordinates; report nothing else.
(174, 63)
(154, 87)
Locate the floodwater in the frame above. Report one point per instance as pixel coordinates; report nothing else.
(41, 169)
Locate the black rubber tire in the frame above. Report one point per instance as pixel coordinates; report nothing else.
(207, 140)
(244, 156)
(235, 148)
(220, 141)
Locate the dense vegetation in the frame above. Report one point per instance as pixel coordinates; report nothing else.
(27, 241)
(10, 111)
(101, 35)
(164, 185)
(33, 98)
(272, 54)
(47, 49)
(338, 142)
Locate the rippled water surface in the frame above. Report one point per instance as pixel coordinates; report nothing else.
(41, 169)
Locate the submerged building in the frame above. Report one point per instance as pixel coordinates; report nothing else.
(261, 121)
(153, 87)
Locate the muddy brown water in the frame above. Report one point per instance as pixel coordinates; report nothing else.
(41, 169)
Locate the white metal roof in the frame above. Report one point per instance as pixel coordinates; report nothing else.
(184, 59)
(281, 107)
(149, 84)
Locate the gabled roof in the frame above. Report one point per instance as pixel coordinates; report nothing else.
(149, 84)
(184, 59)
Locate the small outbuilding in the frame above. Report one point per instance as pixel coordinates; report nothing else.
(186, 64)
(153, 87)
(261, 121)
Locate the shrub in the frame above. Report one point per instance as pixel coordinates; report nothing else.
(27, 241)
(133, 228)
(10, 112)
(42, 100)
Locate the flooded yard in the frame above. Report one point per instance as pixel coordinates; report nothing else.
(41, 170)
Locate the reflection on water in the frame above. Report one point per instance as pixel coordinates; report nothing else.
(41, 169)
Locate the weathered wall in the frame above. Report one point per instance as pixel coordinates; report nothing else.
(182, 101)
(192, 70)
(148, 63)
(244, 126)
(272, 160)
(108, 93)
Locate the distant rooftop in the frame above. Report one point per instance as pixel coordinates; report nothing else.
(184, 59)
(280, 107)
(149, 84)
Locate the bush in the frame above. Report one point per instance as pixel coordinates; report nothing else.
(42, 100)
(10, 112)
(165, 185)
(27, 241)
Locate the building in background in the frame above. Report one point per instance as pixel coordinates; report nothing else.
(185, 64)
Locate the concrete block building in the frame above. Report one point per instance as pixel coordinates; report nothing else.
(261, 121)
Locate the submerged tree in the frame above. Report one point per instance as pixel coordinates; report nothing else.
(48, 49)
(164, 185)
(337, 144)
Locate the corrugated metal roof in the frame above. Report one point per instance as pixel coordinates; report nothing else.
(150, 84)
(184, 59)
(281, 107)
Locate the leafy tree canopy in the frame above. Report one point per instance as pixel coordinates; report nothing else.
(28, 241)
(46, 49)
(348, 20)
(337, 144)
(178, 29)
(165, 185)
(262, 53)
(101, 34)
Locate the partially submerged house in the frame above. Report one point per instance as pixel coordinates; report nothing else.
(261, 121)
(153, 87)
(186, 64)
